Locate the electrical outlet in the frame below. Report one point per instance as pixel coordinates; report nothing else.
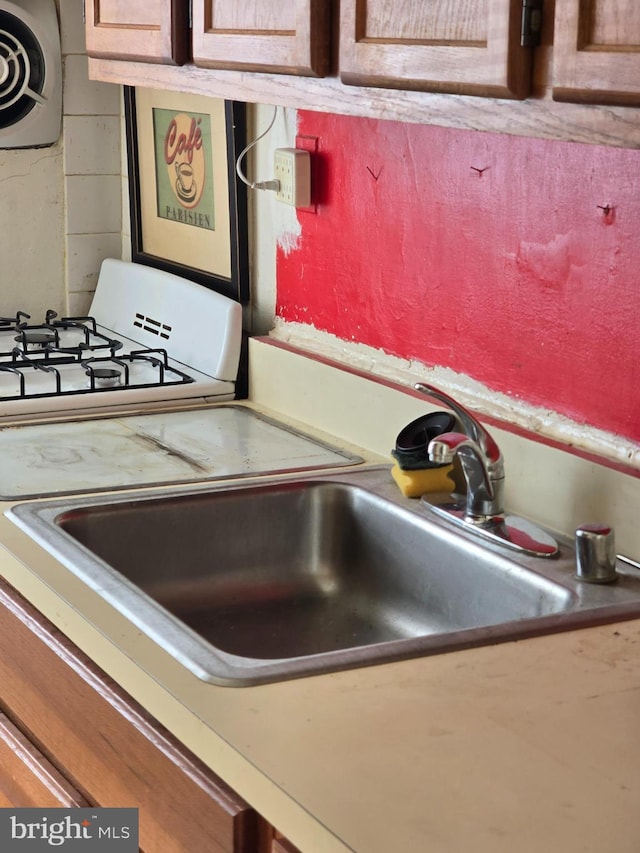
(292, 169)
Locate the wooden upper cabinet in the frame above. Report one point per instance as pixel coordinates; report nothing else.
(262, 35)
(458, 46)
(153, 31)
(596, 52)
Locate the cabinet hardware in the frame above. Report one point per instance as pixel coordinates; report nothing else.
(531, 23)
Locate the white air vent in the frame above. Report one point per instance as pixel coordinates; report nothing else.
(30, 74)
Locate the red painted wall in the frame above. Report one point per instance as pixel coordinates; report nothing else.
(485, 253)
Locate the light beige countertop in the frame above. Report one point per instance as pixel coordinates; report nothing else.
(525, 746)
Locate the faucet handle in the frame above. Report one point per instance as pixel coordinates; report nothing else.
(595, 554)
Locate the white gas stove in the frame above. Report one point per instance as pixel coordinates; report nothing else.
(150, 337)
(128, 396)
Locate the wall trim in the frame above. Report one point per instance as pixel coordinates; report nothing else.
(512, 414)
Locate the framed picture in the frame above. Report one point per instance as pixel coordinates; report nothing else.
(188, 207)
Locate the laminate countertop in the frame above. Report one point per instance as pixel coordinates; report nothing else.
(523, 746)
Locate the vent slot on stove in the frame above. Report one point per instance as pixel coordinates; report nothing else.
(156, 327)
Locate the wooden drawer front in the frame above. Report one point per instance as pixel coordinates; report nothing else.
(153, 31)
(260, 35)
(467, 46)
(596, 52)
(111, 750)
(27, 778)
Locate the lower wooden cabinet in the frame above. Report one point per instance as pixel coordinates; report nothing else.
(27, 778)
(69, 736)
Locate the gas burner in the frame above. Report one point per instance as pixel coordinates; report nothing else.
(147, 367)
(103, 377)
(37, 341)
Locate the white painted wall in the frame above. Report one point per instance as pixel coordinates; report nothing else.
(91, 165)
(272, 224)
(31, 229)
(60, 210)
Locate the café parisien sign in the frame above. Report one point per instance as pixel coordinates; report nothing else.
(184, 182)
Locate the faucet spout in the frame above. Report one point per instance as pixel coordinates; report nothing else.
(472, 427)
(480, 458)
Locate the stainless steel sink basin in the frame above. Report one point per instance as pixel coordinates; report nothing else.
(260, 583)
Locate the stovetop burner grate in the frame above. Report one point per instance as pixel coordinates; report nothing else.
(47, 339)
(96, 372)
(102, 361)
(77, 357)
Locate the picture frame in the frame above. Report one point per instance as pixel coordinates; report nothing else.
(188, 207)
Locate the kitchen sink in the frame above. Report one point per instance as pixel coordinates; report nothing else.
(290, 577)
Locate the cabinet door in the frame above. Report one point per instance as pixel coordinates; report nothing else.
(27, 778)
(460, 46)
(116, 754)
(596, 52)
(260, 35)
(153, 31)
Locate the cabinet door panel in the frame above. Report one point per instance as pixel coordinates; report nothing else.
(154, 31)
(259, 35)
(27, 778)
(459, 46)
(431, 22)
(114, 752)
(596, 52)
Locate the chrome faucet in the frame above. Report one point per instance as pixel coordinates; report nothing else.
(480, 458)
(482, 465)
